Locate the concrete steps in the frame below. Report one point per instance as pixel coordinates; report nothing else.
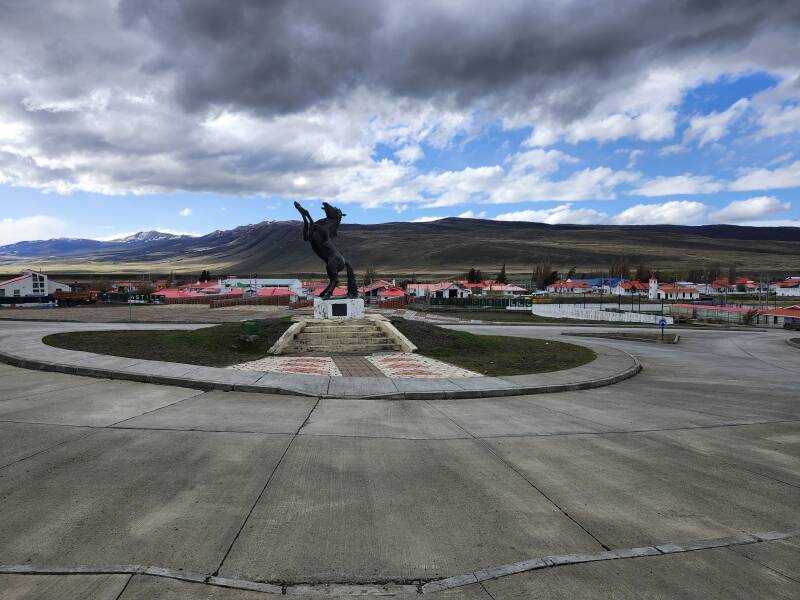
(345, 337)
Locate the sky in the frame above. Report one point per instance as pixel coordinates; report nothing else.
(191, 116)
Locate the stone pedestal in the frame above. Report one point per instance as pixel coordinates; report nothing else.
(339, 309)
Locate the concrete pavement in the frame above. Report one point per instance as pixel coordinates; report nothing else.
(272, 493)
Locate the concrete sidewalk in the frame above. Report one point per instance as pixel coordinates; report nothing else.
(679, 483)
(24, 348)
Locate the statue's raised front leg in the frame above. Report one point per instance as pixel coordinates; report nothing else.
(307, 220)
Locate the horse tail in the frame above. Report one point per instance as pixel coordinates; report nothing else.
(352, 289)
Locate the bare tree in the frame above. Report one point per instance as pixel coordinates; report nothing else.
(543, 275)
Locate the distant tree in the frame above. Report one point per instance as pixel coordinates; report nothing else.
(571, 273)
(713, 272)
(732, 275)
(696, 275)
(501, 277)
(205, 276)
(369, 276)
(642, 273)
(478, 276)
(543, 275)
(620, 267)
(472, 276)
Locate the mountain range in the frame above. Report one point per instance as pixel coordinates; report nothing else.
(446, 246)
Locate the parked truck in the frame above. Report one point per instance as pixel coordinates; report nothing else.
(75, 298)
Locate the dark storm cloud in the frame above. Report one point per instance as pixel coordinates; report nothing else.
(285, 56)
(315, 96)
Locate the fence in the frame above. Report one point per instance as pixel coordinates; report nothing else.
(301, 304)
(254, 301)
(116, 297)
(399, 302)
(590, 314)
(714, 314)
(483, 302)
(192, 300)
(8, 300)
(261, 301)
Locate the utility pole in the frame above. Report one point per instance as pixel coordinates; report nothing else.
(602, 284)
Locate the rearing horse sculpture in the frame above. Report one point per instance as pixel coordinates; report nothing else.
(321, 234)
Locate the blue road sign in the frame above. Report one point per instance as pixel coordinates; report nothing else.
(662, 323)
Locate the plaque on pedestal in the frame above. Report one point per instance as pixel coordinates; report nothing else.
(339, 309)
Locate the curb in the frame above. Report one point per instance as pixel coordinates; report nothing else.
(792, 343)
(676, 338)
(393, 587)
(207, 385)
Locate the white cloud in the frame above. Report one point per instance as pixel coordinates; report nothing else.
(672, 149)
(36, 227)
(541, 161)
(773, 223)
(186, 212)
(751, 208)
(426, 219)
(633, 158)
(679, 184)
(783, 158)
(556, 215)
(680, 212)
(410, 154)
(644, 107)
(713, 126)
(779, 121)
(450, 188)
(470, 214)
(588, 184)
(769, 179)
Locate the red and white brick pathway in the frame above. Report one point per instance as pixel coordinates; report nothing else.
(394, 365)
(293, 365)
(416, 365)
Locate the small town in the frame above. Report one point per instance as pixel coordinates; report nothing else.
(740, 301)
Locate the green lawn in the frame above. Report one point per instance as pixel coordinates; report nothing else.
(493, 354)
(217, 346)
(220, 346)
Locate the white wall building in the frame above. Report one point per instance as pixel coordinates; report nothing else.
(255, 284)
(30, 284)
(504, 289)
(672, 291)
(445, 289)
(790, 287)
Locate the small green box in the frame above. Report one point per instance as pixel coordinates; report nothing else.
(249, 328)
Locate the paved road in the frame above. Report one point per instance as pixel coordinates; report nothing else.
(388, 495)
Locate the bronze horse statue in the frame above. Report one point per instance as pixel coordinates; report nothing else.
(320, 234)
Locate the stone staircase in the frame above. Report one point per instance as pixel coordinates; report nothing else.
(361, 336)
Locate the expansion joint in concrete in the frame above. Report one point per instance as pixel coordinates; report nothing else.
(264, 489)
(522, 475)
